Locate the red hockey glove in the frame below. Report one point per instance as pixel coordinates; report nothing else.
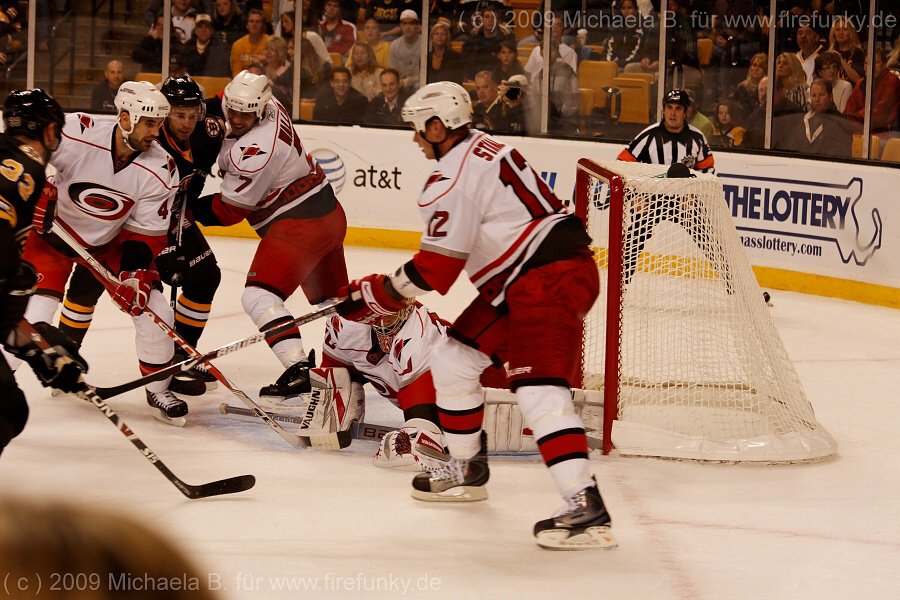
(45, 209)
(369, 300)
(133, 291)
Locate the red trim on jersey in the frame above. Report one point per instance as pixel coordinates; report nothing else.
(328, 361)
(438, 270)
(509, 251)
(456, 177)
(558, 446)
(271, 148)
(420, 391)
(113, 151)
(627, 156)
(228, 214)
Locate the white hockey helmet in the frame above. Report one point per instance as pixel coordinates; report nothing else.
(445, 100)
(141, 99)
(248, 93)
(387, 327)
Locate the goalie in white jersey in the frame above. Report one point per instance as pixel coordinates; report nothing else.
(488, 212)
(115, 188)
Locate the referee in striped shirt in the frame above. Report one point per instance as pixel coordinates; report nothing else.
(676, 143)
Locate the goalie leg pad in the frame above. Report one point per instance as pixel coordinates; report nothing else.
(333, 404)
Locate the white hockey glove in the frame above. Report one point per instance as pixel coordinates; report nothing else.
(333, 404)
(417, 446)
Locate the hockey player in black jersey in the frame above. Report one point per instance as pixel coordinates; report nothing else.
(34, 122)
(193, 139)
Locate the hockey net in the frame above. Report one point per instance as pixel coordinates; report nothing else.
(681, 342)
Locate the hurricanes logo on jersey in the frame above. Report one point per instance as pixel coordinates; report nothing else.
(435, 178)
(99, 201)
(85, 121)
(251, 151)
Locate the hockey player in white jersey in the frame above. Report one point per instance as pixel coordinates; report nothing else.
(394, 356)
(272, 182)
(115, 188)
(488, 213)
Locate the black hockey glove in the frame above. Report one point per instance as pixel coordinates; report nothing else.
(14, 294)
(59, 366)
(171, 265)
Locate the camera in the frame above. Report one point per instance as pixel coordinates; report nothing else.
(513, 92)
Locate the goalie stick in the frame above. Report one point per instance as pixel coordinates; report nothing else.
(109, 280)
(232, 485)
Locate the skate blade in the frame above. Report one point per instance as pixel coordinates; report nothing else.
(592, 538)
(174, 421)
(463, 493)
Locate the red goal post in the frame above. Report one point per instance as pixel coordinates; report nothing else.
(680, 343)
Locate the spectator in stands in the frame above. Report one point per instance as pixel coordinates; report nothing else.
(103, 95)
(696, 118)
(681, 48)
(252, 47)
(338, 35)
(828, 67)
(155, 7)
(537, 37)
(312, 16)
(149, 50)
(844, 40)
(893, 61)
(727, 130)
(563, 94)
(229, 22)
(783, 112)
(340, 103)
(183, 15)
(791, 78)
(313, 68)
(384, 109)
(808, 42)
(508, 62)
(745, 93)
(565, 53)
(444, 63)
(736, 32)
(517, 113)
(206, 54)
(480, 51)
(449, 10)
(372, 36)
(365, 71)
(277, 67)
(485, 112)
(822, 130)
(885, 94)
(286, 26)
(387, 14)
(405, 55)
(623, 45)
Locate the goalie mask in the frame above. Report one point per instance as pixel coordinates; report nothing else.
(388, 327)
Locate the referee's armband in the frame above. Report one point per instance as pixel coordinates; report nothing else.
(626, 155)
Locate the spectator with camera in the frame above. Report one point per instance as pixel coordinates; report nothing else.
(516, 112)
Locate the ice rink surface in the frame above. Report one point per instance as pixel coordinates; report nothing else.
(331, 525)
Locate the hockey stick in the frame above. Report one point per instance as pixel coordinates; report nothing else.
(179, 232)
(359, 431)
(110, 281)
(232, 485)
(188, 363)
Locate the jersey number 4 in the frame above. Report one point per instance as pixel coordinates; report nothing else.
(510, 177)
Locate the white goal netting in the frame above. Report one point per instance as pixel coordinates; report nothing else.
(700, 371)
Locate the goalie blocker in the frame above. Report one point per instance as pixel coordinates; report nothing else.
(335, 402)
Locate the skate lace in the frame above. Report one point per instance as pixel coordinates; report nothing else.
(452, 470)
(165, 399)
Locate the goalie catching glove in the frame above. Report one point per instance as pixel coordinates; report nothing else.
(58, 366)
(417, 446)
(370, 299)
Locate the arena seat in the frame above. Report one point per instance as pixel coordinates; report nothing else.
(597, 75)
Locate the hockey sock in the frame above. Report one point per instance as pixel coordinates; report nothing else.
(191, 318)
(75, 319)
(559, 433)
(455, 369)
(154, 347)
(267, 310)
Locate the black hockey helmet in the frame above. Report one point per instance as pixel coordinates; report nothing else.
(182, 91)
(680, 97)
(27, 112)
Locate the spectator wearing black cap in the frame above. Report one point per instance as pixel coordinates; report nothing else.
(206, 54)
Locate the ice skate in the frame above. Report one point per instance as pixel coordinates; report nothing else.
(417, 446)
(198, 372)
(458, 480)
(293, 382)
(583, 524)
(169, 408)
